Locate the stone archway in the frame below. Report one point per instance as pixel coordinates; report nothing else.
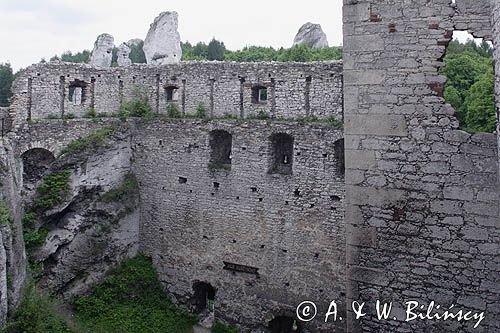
(35, 162)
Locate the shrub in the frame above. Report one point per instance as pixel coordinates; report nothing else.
(37, 313)
(138, 106)
(96, 139)
(53, 190)
(201, 111)
(131, 300)
(91, 113)
(173, 111)
(5, 216)
(219, 327)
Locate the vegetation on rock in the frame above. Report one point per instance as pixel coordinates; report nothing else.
(129, 300)
(95, 139)
(5, 216)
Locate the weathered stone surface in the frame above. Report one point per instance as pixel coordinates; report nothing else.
(123, 55)
(102, 53)
(163, 43)
(312, 35)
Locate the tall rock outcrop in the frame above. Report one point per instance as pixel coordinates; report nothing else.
(163, 43)
(312, 35)
(123, 55)
(102, 53)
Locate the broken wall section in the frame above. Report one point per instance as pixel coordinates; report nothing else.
(422, 196)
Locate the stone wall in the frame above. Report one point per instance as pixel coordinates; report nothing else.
(422, 196)
(294, 90)
(288, 226)
(496, 42)
(12, 254)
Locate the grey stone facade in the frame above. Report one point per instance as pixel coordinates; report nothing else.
(295, 90)
(422, 196)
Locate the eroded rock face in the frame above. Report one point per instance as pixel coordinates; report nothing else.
(103, 51)
(312, 35)
(123, 55)
(96, 226)
(163, 43)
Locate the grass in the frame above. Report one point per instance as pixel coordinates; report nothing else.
(37, 313)
(95, 139)
(131, 300)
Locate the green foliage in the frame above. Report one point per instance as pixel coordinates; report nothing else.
(201, 111)
(261, 115)
(6, 79)
(34, 238)
(5, 216)
(37, 313)
(29, 219)
(137, 53)
(173, 111)
(131, 300)
(91, 113)
(95, 139)
(480, 104)
(79, 57)
(128, 187)
(219, 327)
(138, 106)
(53, 190)
(215, 50)
(469, 88)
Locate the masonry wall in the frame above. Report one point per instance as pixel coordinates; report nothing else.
(422, 196)
(289, 227)
(495, 19)
(294, 90)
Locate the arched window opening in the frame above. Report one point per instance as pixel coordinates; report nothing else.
(36, 162)
(284, 324)
(204, 297)
(259, 95)
(220, 149)
(171, 93)
(281, 154)
(340, 156)
(76, 93)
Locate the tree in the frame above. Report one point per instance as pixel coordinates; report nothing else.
(215, 50)
(137, 55)
(6, 79)
(480, 104)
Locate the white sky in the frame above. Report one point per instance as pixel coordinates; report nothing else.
(32, 29)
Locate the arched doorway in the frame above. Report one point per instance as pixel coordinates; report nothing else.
(284, 324)
(204, 296)
(36, 162)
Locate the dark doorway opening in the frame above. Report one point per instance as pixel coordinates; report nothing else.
(204, 296)
(284, 324)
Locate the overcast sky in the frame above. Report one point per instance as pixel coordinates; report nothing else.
(32, 29)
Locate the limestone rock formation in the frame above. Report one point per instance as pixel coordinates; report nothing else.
(103, 51)
(163, 42)
(312, 35)
(123, 55)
